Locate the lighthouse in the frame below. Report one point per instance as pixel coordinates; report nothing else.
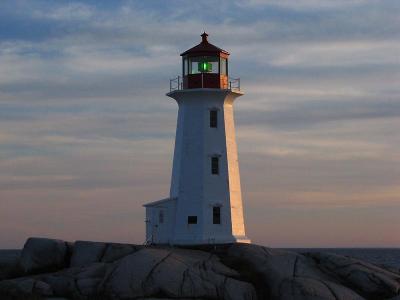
(205, 202)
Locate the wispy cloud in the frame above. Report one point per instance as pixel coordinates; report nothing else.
(305, 4)
(85, 125)
(70, 12)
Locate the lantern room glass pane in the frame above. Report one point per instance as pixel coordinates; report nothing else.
(223, 66)
(185, 67)
(203, 64)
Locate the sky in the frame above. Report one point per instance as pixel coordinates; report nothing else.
(87, 133)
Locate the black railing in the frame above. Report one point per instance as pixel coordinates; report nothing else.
(234, 84)
(176, 84)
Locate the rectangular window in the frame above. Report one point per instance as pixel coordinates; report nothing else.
(216, 215)
(161, 217)
(213, 118)
(192, 219)
(215, 165)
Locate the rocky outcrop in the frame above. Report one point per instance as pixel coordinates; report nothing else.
(9, 264)
(85, 253)
(43, 255)
(175, 273)
(234, 272)
(25, 287)
(116, 251)
(77, 282)
(281, 274)
(368, 280)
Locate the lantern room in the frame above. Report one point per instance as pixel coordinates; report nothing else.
(205, 66)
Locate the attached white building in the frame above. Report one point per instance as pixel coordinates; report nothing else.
(205, 203)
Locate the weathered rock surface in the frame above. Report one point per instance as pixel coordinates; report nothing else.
(175, 273)
(237, 272)
(43, 255)
(281, 274)
(9, 264)
(84, 253)
(368, 280)
(25, 287)
(77, 282)
(116, 251)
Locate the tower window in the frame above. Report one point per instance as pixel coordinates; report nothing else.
(192, 219)
(213, 118)
(215, 165)
(161, 217)
(216, 215)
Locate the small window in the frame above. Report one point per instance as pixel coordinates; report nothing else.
(161, 217)
(213, 118)
(216, 215)
(192, 219)
(215, 165)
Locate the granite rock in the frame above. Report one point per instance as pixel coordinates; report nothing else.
(9, 264)
(234, 272)
(279, 274)
(77, 282)
(25, 286)
(43, 255)
(367, 279)
(175, 273)
(85, 253)
(115, 251)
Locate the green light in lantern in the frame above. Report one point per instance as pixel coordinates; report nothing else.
(204, 67)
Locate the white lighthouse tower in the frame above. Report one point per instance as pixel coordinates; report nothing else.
(205, 203)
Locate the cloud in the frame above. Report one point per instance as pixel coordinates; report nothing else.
(341, 54)
(85, 124)
(304, 4)
(71, 12)
(314, 112)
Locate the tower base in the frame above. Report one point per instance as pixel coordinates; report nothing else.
(212, 241)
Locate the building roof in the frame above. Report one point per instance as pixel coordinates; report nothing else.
(204, 48)
(155, 203)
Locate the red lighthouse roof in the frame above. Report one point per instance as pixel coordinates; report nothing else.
(204, 48)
